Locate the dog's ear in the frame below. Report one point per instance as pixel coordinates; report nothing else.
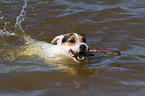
(57, 40)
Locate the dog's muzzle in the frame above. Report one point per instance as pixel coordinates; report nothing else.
(81, 55)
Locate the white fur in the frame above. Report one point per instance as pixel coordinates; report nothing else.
(49, 51)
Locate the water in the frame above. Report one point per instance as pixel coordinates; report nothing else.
(113, 24)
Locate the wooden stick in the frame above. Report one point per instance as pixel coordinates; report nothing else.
(104, 51)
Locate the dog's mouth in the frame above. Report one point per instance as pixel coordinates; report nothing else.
(79, 56)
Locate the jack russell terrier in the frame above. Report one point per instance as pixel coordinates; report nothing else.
(70, 47)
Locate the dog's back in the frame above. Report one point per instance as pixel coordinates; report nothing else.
(44, 50)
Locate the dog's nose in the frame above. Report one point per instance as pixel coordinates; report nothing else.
(83, 47)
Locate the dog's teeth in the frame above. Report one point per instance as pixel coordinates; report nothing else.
(72, 55)
(80, 58)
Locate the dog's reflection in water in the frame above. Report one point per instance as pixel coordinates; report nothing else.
(74, 68)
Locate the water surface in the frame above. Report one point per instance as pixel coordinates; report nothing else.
(113, 24)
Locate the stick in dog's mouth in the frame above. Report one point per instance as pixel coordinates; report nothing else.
(104, 51)
(80, 56)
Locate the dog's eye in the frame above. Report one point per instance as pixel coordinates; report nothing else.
(72, 41)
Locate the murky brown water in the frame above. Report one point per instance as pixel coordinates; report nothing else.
(112, 24)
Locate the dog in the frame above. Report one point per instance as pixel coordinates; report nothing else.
(69, 47)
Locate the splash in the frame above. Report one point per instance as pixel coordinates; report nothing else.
(10, 40)
(5, 32)
(21, 18)
(18, 27)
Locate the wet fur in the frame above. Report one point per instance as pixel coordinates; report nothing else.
(57, 50)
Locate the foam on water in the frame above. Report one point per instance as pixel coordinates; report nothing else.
(21, 18)
(18, 27)
(8, 49)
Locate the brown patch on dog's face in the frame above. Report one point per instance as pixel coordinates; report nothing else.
(71, 39)
(82, 38)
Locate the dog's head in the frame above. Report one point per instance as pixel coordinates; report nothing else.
(74, 44)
